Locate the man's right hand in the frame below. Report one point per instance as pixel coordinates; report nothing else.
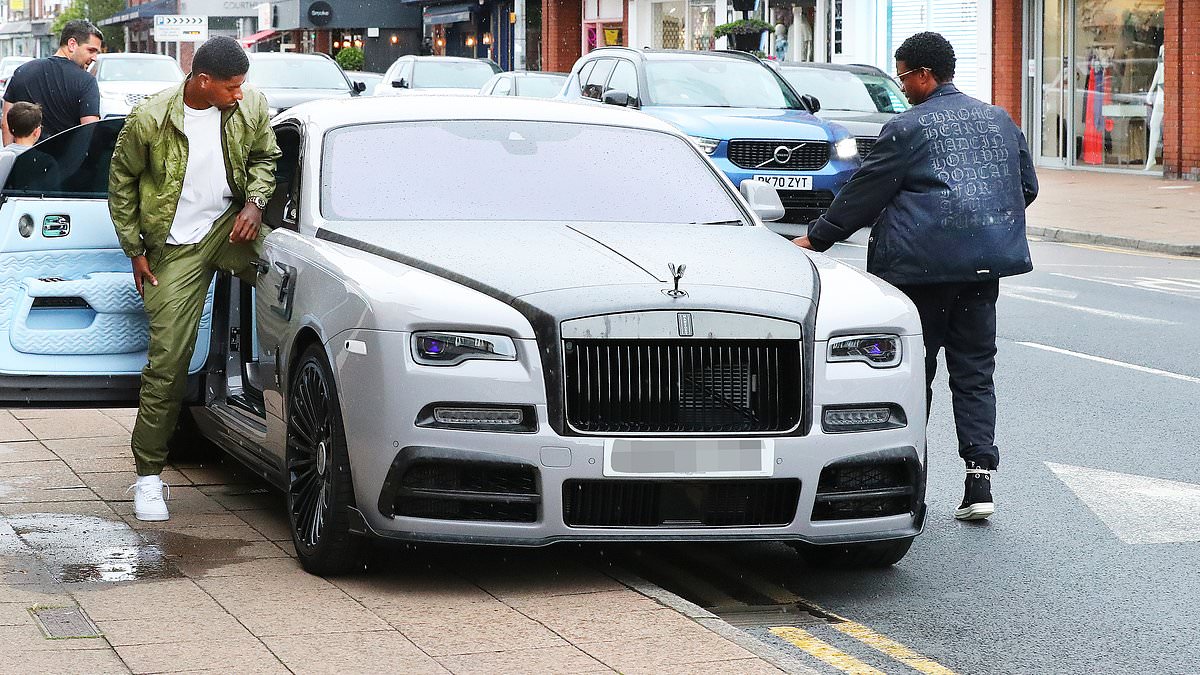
(141, 274)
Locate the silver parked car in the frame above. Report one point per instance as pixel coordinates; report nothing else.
(126, 80)
(288, 79)
(436, 75)
(528, 83)
(8, 66)
(558, 352)
(858, 97)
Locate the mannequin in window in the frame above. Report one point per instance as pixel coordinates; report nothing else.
(781, 42)
(1155, 98)
(804, 36)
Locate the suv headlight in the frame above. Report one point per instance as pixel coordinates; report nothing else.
(877, 351)
(707, 145)
(847, 148)
(436, 348)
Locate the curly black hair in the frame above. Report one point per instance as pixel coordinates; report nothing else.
(929, 50)
(221, 57)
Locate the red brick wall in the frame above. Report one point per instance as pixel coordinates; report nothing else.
(1007, 65)
(562, 27)
(1181, 122)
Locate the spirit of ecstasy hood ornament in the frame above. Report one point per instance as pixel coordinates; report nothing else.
(676, 274)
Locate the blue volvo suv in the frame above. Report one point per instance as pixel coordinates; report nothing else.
(746, 117)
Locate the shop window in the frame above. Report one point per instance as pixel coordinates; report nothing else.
(683, 24)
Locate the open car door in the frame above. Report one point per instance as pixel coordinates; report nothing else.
(72, 327)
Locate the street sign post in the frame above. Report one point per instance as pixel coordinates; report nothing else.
(180, 28)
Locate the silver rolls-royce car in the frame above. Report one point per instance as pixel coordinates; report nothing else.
(503, 321)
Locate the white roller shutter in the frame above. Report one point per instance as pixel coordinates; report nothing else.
(957, 20)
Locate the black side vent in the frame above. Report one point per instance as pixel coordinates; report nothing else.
(859, 489)
(60, 303)
(467, 490)
(680, 503)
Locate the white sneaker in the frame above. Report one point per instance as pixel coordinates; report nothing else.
(149, 498)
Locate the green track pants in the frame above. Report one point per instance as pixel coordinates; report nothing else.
(174, 308)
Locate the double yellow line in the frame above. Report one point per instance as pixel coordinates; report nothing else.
(846, 663)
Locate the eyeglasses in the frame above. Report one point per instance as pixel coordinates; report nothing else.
(901, 76)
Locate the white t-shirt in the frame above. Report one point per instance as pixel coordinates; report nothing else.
(206, 192)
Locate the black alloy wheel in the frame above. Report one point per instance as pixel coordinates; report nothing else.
(320, 487)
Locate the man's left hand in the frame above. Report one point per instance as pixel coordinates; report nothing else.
(803, 242)
(245, 228)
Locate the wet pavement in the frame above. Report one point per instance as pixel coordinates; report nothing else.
(217, 588)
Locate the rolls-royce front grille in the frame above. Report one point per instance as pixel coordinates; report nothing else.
(779, 155)
(682, 386)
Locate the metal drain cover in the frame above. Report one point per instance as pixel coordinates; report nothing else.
(767, 615)
(58, 623)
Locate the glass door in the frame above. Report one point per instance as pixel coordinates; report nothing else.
(1053, 84)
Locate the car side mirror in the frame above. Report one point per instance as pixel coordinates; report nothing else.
(811, 102)
(763, 199)
(360, 87)
(616, 97)
(400, 83)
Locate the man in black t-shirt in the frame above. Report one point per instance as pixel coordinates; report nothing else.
(60, 84)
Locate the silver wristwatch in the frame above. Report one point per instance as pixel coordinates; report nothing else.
(259, 202)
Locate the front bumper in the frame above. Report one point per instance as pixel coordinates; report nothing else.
(379, 444)
(801, 206)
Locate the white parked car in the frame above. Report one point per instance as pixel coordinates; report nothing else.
(568, 348)
(8, 66)
(126, 80)
(438, 75)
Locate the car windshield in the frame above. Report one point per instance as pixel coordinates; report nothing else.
(138, 70)
(452, 74)
(540, 86)
(303, 73)
(9, 66)
(716, 82)
(517, 171)
(842, 90)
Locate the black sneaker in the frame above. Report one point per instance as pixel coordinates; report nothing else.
(977, 501)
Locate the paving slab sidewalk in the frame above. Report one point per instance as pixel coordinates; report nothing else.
(1130, 211)
(217, 588)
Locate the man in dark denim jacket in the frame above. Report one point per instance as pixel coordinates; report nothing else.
(946, 187)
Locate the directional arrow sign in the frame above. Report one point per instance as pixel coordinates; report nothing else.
(1138, 509)
(180, 28)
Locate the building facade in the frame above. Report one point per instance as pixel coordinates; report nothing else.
(1103, 84)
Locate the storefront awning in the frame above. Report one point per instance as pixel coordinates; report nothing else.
(146, 10)
(443, 14)
(251, 40)
(14, 28)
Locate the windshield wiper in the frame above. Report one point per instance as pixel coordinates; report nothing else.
(720, 222)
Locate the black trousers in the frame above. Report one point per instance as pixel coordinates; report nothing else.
(962, 318)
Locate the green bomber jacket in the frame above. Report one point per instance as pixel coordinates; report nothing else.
(146, 175)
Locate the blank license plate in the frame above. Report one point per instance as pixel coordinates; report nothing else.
(787, 182)
(691, 457)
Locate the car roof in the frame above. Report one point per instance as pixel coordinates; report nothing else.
(444, 58)
(675, 54)
(330, 113)
(135, 55)
(286, 56)
(859, 68)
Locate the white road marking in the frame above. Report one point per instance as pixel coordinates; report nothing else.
(1040, 290)
(1111, 362)
(1138, 509)
(1122, 284)
(1091, 310)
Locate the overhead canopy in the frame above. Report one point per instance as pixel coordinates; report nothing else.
(251, 40)
(443, 14)
(146, 10)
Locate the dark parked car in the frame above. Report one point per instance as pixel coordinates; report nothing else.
(860, 98)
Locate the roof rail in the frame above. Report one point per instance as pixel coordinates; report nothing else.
(738, 53)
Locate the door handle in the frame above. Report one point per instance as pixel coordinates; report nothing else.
(285, 282)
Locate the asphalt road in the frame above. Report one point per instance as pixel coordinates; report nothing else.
(1090, 563)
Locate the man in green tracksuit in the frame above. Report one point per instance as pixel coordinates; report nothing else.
(191, 174)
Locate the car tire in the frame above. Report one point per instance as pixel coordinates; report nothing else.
(320, 488)
(875, 554)
(188, 444)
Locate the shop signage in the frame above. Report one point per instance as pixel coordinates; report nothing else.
(320, 13)
(180, 28)
(239, 8)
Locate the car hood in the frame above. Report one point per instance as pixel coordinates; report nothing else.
(858, 123)
(126, 88)
(517, 261)
(286, 98)
(728, 123)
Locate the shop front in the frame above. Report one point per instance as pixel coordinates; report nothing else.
(1096, 93)
(383, 29)
(676, 24)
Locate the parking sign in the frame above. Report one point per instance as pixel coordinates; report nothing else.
(180, 28)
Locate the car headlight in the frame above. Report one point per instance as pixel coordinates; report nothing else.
(877, 351)
(707, 145)
(436, 348)
(112, 96)
(847, 148)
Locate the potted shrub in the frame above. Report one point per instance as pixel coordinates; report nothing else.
(350, 58)
(745, 34)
